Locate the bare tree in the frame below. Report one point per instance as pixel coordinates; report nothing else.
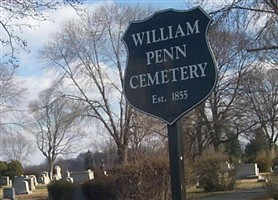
(219, 114)
(260, 102)
(243, 35)
(261, 17)
(90, 56)
(11, 95)
(147, 134)
(16, 146)
(11, 13)
(56, 126)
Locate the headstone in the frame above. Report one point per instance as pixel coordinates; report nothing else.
(248, 170)
(45, 178)
(68, 173)
(5, 181)
(226, 166)
(40, 179)
(262, 179)
(21, 186)
(9, 193)
(80, 177)
(31, 183)
(68, 178)
(57, 173)
(34, 179)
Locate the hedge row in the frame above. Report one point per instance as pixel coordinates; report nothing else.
(148, 180)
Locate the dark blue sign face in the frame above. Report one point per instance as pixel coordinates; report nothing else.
(170, 67)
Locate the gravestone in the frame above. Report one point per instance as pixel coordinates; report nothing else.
(68, 178)
(21, 185)
(57, 173)
(34, 179)
(40, 180)
(44, 179)
(80, 177)
(9, 193)
(5, 181)
(247, 170)
(31, 183)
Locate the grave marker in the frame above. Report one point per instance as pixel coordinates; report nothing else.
(9, 193)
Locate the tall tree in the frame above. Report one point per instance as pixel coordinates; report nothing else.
(56, 126)
(89, 54)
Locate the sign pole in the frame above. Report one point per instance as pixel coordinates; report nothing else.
(175, 144)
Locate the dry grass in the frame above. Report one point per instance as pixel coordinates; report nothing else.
(192, 193)
(248, 184)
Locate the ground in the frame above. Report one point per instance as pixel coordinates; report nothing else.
(193, 194)
(39, 194)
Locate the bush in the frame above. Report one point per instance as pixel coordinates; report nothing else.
(264, 161)
(271, 187)
(148, 179)
(3, 168)
(212, 174)
(100, 188)
(61, 190)
(11, 169)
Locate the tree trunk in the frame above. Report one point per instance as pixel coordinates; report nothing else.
(122, 153)
(50, 168)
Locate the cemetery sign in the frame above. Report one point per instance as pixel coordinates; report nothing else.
(170, 66)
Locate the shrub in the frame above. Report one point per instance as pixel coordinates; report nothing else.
(148, 179)
(61, 190)
(271, 187)
(264, 161)
(3, 168)
(212, 174)
(11, 169)
(100, 188)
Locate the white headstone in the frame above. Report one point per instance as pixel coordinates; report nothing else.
(80, 177)
(57, 173)
(31, 183)
(34, 178)
(45, 178)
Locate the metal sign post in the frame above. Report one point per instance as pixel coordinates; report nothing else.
(175, 144)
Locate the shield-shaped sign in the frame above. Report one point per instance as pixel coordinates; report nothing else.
(170, 66)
